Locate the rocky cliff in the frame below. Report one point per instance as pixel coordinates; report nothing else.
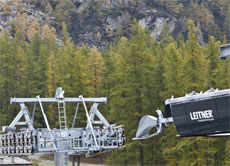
(98, 22)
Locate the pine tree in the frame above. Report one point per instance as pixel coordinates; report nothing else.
(194, 63)
(227, 23)
(11, 75)
(158, 75)
(197, 151)
(65, 63)
(227, 153)
(173, 75)
(108, 81)
(212, 58)
(81, 82)
(171, 153)
(65, 34)
(117, 91)
(96, 68)
(64, 12)
(36, 78)
(33, 68)
(51, 86)
(132, 75)
(65, 74)
(223, 72)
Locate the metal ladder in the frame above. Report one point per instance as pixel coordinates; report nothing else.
(65, 158)
(62, 114)
(64, 143)
(61, 158)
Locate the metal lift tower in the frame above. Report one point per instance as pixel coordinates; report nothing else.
(64, 141)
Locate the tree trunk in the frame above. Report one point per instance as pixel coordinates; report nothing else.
(141, 155)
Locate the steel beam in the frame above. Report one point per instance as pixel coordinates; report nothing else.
(54, 100)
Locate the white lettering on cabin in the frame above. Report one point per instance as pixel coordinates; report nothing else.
(202, 116)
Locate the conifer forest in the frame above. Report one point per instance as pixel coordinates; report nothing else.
(136, 73)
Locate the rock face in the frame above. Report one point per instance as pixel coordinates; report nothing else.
(11, 11)
(114, 18)
(92, 22)
(156, 24)
(96, 22)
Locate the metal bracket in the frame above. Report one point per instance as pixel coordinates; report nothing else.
(23, 112)
(149, 122)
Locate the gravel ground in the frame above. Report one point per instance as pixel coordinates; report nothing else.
(50, 163)
(43, 162)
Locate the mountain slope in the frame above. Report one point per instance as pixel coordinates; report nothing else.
(97, 22)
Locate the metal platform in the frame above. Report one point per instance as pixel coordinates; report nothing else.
(96, 136)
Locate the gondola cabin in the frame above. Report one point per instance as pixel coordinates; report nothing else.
(200, 113)
(224, 51)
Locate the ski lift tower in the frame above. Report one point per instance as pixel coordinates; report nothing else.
(98, 135)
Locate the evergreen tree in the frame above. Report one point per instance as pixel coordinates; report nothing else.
(212, 58)
(96, 69)
(223, 73)
(64, 12)
(227, 153)
(197, 151)
(173, 75)
(81, 75)
(11, 75)
(227, 23)
(65, 34)
(132, 75)
(65, 63)
(109, 70)
(81, 82)
(51, 86)
(194, 62)
(171, 153)
(34, 68)
(158, 75)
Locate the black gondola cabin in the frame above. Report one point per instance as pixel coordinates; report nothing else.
(200, 113)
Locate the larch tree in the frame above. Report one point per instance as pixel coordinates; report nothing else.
(227, 23)
(194, 62)
(173, 75)
(51, 86)
(132, 74)
(227, 153)
(212, 58)
(223, 72)
(11, 64)
(96, 68)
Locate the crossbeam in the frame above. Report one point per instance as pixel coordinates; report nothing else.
(54, 100)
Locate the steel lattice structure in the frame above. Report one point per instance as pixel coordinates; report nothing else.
(63, 141)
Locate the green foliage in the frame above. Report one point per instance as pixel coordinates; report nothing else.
(173, 75)
(96, 69)
(227, 152)
(136, 74)
(64, 12)
(212, 59)
(12, 75)
(172, 6)
(227, 23)
(223, 73)
(194, 62)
